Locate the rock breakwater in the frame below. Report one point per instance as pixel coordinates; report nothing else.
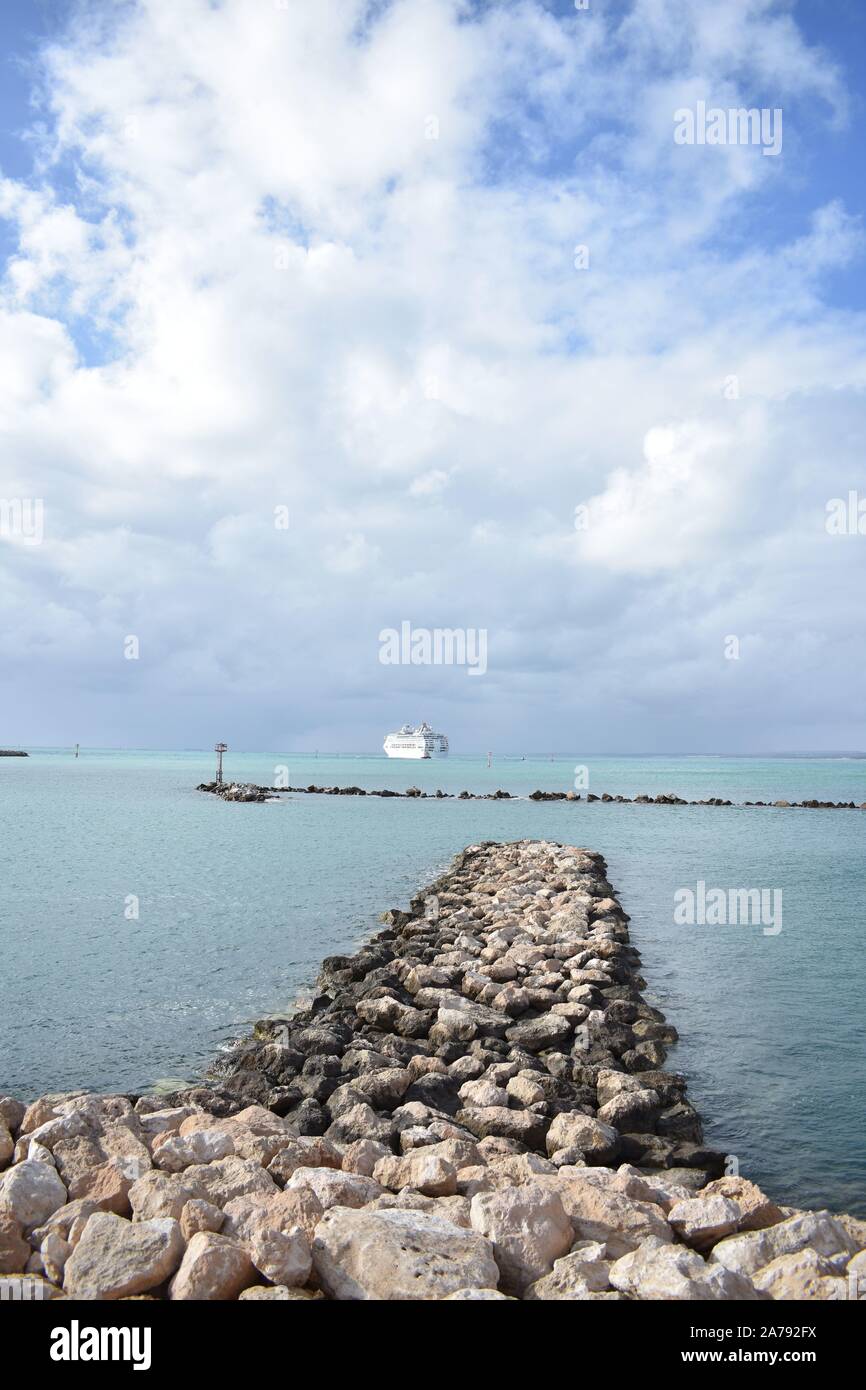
(250, 791)
(475, 1106)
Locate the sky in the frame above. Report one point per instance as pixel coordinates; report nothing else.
(324, 317)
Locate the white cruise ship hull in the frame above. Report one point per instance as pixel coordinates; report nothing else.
(406, 752)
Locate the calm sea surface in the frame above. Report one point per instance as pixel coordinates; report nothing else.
(237, 904)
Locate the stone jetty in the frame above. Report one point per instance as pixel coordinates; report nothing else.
(475, 1106)
(249, 791)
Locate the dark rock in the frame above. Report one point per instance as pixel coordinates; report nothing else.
(435, 1090)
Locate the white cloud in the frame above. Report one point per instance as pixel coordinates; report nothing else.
(262, 284)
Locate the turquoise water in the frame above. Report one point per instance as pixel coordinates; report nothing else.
(237, 905)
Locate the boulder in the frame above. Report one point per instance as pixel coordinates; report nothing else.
(362, 1156)
(199, 1216)
(607, 1216)
(176, 1152)
(574, 1277)
(225, 1178)
(632, 1112)
(54, 1252)
(116, 1258)
(536, 1034)
(751, 1251)
(360, 1122)
(12, 1112)
(422, 1169)
(524, 1089)
(14, 1249)
(399, 1254)
(335, 1189)
(212, 1268)
(282, 1256)
(494, 1121)
(529, 1229)
(672, 1273)
(757, 1211)
(803, 1274)
(702, 1222)
(30, 1192)
(598, 1142)
(7, 1145)
(482, 1092)
(157, 1195)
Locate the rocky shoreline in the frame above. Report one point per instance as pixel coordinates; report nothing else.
(250, 791)
(474, 1107)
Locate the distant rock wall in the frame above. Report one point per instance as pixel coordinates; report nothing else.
(249, 791)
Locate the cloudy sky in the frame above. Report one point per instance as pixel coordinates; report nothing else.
(433, 281)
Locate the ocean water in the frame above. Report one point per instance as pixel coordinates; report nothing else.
(237, 904)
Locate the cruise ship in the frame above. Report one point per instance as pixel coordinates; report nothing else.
(415, 743)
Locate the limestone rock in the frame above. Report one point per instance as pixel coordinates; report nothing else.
(282, 1256)
(14, 1249)
(157, 1195)
(421, 1169)
(54, 1252)
(335, 1189)
(399, 1255)
(632, 1112)
(605, 1215)
(803, 1274)
(362, 1156)
(529, 1229)
(702, 1222)
(213, 1268)
(199, 1216)
(598, 1142)
(524, 1089)
(360, 1122)
(482, 1093)
(225, 1178)
(494, 1121)
(12, 1112)
(536, 1034)
(116, 1258)
(106, 1185)
(610, 1084)
(757, 1211)
(751, 1251)
(672, 1273)
(30, 1192)
(177, 1152)
(573, 1277)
